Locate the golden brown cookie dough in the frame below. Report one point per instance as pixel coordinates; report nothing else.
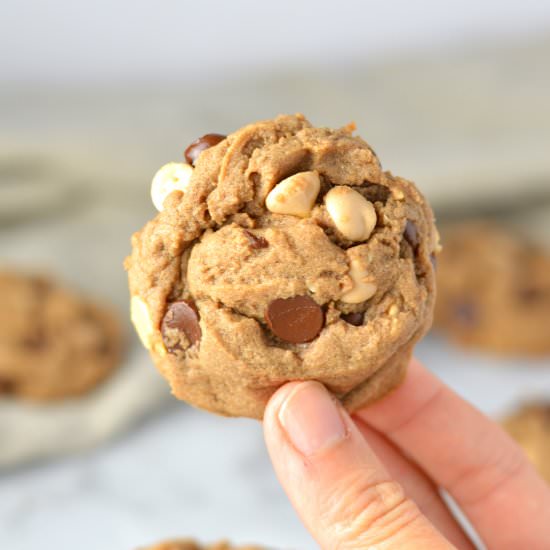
(190, 544)
(530, 427)
(53, 343)
(493, 290)
(284, 253)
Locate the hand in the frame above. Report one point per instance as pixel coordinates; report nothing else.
(371, 480)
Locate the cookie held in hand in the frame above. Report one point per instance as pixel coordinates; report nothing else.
(282, 252)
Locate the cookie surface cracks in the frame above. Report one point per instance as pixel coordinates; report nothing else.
(220, 246)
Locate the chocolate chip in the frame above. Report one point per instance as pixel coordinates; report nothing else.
(7, 386)
(465, 313)
(103, 347)
(41, 287)
(530, 295)
(411, 235)
(181, 316)
(199, 145)
(355, 319)
(256, 241)
(296, 320)
(374, 192)
(35, 341)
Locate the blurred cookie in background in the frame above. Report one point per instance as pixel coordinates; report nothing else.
(190, 544)
(53, 342)
(493, 290)
(530, 427)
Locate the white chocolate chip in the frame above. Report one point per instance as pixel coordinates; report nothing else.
(398, 194)
(294, 195)
(393, 311)
(173, 176)
(139, 314)
(160, 349)
(352, 214)
(363, 288)
(437, 248)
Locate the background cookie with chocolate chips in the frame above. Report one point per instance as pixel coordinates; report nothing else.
(530, 427)
(190, 544)
(493, 290)
(282, 252)
(53, 343)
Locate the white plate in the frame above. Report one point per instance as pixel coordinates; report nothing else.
(33, 431)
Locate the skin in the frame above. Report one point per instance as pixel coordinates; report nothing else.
(372, 480)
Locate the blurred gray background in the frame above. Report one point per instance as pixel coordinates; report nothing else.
(95, 96)
(64, 42)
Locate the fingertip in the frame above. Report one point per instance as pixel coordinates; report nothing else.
(329, 471)
(274, 434)
(278, 398)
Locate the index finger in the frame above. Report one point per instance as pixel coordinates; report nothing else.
(469, 455)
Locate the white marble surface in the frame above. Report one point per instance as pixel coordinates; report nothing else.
(183, 473)
(31, 431)
(187, 472)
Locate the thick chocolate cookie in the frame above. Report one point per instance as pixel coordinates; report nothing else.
(283, 252)
(493, 290)
(190, 544)
(53, 343)
(530, 427)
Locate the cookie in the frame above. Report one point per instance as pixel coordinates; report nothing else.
(53, 343)
(282, 252)
(190, 544)
(493, 290)
(530, 427)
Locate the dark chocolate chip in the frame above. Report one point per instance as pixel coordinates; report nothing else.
(411, 235)
(35, 341)
(183, 317)
(374, 192)
(296, 320)
(256, 241)
(103, 347)
(41, 287)
(355, 319)
(545, 410)
(530, 295)
(7, 386)
(199, 145)
(465, 313)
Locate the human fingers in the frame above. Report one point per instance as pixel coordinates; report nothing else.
(343, 494)
(416, 485)
(470, 456)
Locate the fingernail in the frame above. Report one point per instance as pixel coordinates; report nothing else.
(311, 419)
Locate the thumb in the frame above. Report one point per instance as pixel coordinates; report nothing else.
(339, 488)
